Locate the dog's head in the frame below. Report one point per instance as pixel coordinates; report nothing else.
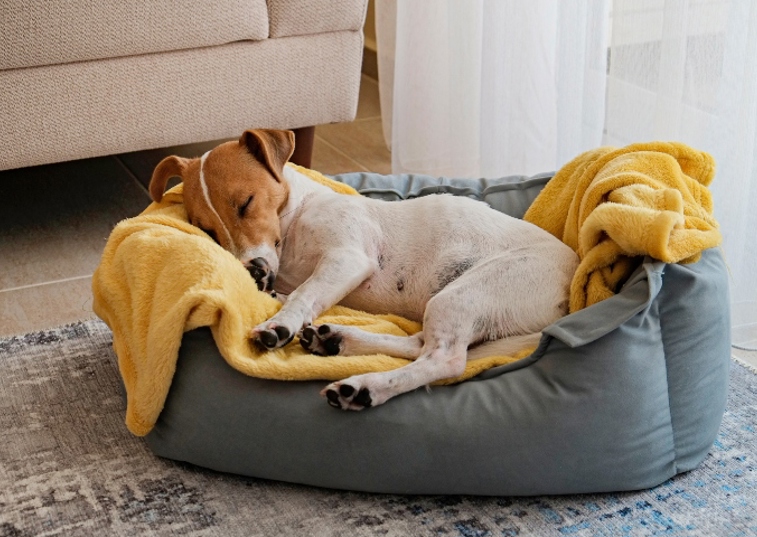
(235, 193)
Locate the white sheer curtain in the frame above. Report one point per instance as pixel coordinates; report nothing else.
(687, 70)
(485, 88)
(474, 87)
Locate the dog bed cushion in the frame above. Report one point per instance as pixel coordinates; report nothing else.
(620, 395)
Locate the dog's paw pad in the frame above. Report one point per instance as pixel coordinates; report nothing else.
(333, 398)
(347, 397)
(306, 337)
(272, 337)
(284, 334)
(267, 338)
(363, 398)
(321, 340)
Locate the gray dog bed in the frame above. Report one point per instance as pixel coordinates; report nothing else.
(619, 396)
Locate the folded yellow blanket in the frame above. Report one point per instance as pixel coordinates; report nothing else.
(159, 277)
(614, 206)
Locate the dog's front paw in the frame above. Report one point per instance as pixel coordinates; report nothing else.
(261, 272)
(271, 335)
(321, 340)
(346, 396)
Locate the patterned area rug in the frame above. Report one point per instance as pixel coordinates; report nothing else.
(69, 467)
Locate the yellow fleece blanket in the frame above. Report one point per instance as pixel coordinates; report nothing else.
(615, 205)
(159, 277)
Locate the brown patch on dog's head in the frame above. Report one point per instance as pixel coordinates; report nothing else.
(236, 191)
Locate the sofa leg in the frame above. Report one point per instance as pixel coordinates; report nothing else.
(303, 146)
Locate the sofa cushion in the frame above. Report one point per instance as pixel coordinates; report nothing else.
(301, 17)
(63, 31)
(159, 100)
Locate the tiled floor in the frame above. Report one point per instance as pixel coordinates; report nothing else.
(55, 219)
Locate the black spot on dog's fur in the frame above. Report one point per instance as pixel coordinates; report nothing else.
(479, 324)
(484, 329)
(450, 272)
(399, 274)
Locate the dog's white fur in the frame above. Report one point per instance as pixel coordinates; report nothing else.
(470, 273)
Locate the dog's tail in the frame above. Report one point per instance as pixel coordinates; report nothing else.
(505, 346)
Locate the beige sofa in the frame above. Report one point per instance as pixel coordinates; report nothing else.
(82, 78)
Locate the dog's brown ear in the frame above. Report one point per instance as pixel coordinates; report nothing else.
(271, 147)
(169, 167)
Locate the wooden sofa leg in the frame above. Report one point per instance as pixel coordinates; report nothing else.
(303, 146)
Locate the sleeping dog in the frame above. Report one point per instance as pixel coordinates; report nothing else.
(471, 274)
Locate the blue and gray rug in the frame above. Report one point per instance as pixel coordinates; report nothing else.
(69, 467)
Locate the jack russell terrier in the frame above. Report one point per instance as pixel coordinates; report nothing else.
(469, 272)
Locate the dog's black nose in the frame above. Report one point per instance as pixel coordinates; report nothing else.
(260, 263)
(262, 274)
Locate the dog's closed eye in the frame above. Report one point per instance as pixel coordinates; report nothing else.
(243, 207)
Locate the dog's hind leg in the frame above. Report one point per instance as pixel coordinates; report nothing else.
(448, 329)
(499, 297)
(440, 358)
(328, 340)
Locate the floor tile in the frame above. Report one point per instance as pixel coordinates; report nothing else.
(45, 306)
(331, 160)
(362, 141)
(55, 219)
